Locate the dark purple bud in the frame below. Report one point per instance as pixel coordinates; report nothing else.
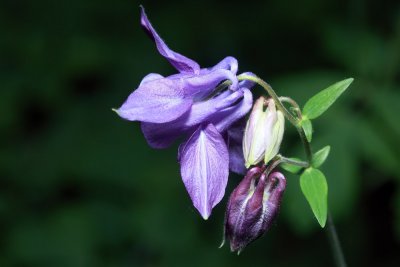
(252, 207)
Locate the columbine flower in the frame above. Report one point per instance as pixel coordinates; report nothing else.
(186, 104)
(252, 207)
(264, 132)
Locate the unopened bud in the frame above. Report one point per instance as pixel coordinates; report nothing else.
(252, 207)
(264, 132)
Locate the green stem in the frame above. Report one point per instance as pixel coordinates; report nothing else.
(335, 243)
(271, 93)
(306, 144)
(293, 103)
(273, 164)
(296, 162)
(219, 88)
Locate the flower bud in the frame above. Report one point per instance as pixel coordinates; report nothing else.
(252, 207)
(264, 132)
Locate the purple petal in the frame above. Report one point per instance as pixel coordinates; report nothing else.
(235, 138)
(236, 131)
(202, 85)
(151, 77)
(162, 135)
(228, 63)
(236, 160)
(180, 62)
(204, 168)
(160, 100)
(226, 117)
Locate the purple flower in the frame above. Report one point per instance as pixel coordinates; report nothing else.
(187, 105)
(252, 207)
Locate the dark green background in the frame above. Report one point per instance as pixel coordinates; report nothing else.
(80, 187)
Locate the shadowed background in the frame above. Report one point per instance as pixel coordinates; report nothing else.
(80, 187)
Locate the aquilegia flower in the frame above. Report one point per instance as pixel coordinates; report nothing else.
(188, 105)
(205, 108)
(252, 207)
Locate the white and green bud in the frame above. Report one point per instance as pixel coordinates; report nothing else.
(264, 132)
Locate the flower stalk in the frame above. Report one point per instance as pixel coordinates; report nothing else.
(300, 163)
(271, 93)
(294, 105)
(335, 243)
(333, 237)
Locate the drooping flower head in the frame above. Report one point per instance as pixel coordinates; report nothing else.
(252, 207)
(187, 105)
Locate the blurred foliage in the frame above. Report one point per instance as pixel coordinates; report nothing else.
(80, 187)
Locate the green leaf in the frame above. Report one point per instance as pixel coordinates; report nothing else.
(308, 129)
(320, 102)
(320, 157)
(290, 167)
(315, 189)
